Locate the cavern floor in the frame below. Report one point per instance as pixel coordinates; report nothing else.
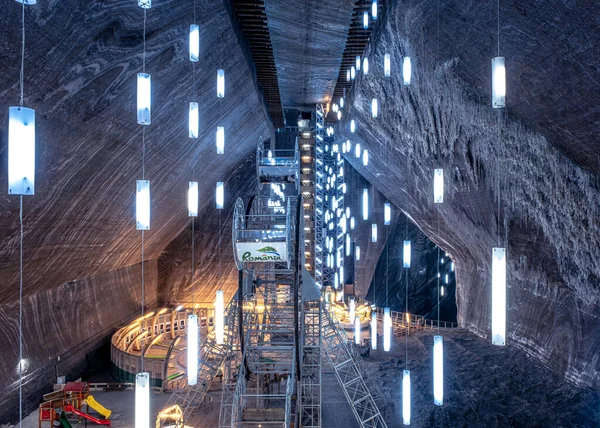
(478, 392)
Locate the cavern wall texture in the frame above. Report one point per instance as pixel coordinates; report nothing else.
(549, 215)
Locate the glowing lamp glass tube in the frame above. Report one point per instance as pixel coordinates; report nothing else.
(498, 82)
(365, 157)
(352, 224)
(438, 186)
(357, 151)
(406, 254)
(387, 66)
(357, 252)
(142, 400)
(438, 370)
(374, 108)
(357, 62)
(352, 126)
(406, 70)
(348, 245)
(220, 83)
(406, 397)
(194, 43)
(498, 296)
(374, 232)
(219, 318)
(347, 78)
(365, 204)
(365, 20)
(352, 73)
(192, 349)
(220, 140)
(142, 205)
(356, 330)
(365, 66)
(193, 120)
(21, 151)
(220, 195)
(387, 329)
(374, 10)
(144, 98)
(387, 213)
(193, 199)
(374, 329)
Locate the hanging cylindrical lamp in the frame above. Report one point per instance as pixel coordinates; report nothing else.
(357, 252)
(351, 309)
(387, 65)
(220, 83)
(374, 10)
(194, 43)
(365, 204)
(406, 254)
(365, 157)
(144, 98)
(352, 223)
(374, 108)
(374, 329)
(193, 199)
(406, 397)
(347, 80)
(406, 70)
(357, 151)
(387, 329)
(220, 140)
(498, 82)
(219, 318)
(352, 73)
(21, 151)
(357, 62)
(348, 245)
(352, 126)
(142, 204)
(193, 120)
(357, 330)
(374, 232)
(192, 349)
(142, 400)
(339, 115)
(499, 296)
(365, 65)
(387, 213)
(438, 370)
(438, 186)
(365, 20)
(220, 195)
(347, 211)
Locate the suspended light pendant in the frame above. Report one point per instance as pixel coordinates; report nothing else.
(219, 318)
(387, 65)
(387, 213)
(142, 205)
(357, 61)
(220, 195)
(342, 100)
(348, 245)
(347, 77)
(144, 4)
(365, 204)
(365, 157)
(21, 151)
(220, 83)
(498, 296)
(498, 82)
(347, 211)
(339, 115)
(365, 20)
(406, 254)
(220, 140)
(374, 232)
(387, 329)
(352, 223)
(356, 330)
(144, 102)
(374, 10)
(352, 73)
(192, 349)
(352, 126)
(365, 65)
(406, 70)
(193, 199)
(193, 120)
(438, 186)
(406, 397)
(357, 151)
(357, 251)
(194, 43)
(142, 400)
(374, 329)
(374, 108)
(438, 370)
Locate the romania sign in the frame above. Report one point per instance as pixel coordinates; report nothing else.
(260, 252)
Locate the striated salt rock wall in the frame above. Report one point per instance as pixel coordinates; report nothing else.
(549, 214)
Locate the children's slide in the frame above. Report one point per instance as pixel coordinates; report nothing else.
(70, 409)
(64, 421)
(91, 401)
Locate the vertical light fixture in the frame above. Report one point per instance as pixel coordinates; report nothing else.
(144, 98)
(352, 223)
(142, 400)
(406, 254)
(220, 83)
(406, 397)
(365, 157)
(374, 108)
(498, 82)
(438, 186)
(387, 65)
(438, 370)
(142, 205)
(220, 195)
(347, 79)
(387, 214)
(193, 199)
(387, 329)
(365, 65)
(498, 296)
(351, 309)
(352, 126)
(347, 211)
(220, 140)
(365, 204)
(219, 317)
(357, 330)
(365, 20)
(194, 43)
(374, 10)
(406, 70)
(193, 120)
(342, 100)
(357, 62)
(357, 251)
(374, 232)
(192, 349)
(374, 329)
(348, 245)
(21, 151)
(357, 150)
(352, 73)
